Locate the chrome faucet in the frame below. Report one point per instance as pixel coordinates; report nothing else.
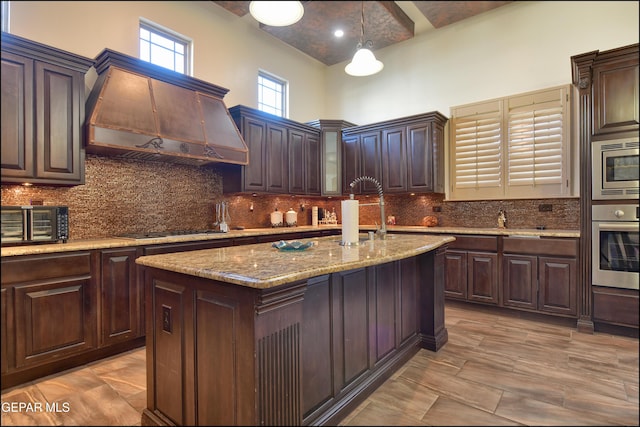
(382, 231)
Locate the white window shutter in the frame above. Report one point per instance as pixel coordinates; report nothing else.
(536, 138)
(515, 147)
(477, 150)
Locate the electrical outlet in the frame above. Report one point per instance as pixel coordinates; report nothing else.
(166, 319)
(545, 207)
(437, 209)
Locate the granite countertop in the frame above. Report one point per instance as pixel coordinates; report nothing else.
(262, 266)
(118, 242)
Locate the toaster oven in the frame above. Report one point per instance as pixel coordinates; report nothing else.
(23, 225)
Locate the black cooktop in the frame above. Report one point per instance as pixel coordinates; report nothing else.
(155, 234)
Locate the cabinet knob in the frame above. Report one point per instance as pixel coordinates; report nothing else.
(619, 213)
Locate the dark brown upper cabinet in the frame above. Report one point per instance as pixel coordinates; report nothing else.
(284, 156)
(42, 113)
(361, 157)
(330, 155)
(405, 155)
(615, 92)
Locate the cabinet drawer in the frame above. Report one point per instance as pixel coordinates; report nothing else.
(40, 267)
(475, 243)
(551, 247)
(616, 306)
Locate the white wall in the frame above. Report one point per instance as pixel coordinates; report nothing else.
(523, 46)
(519, 47)
(229, 50)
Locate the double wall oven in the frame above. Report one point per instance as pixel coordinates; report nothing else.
(614, 213)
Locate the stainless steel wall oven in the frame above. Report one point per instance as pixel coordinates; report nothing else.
(615, 246)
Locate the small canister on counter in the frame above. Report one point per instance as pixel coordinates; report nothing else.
(276, 218)
(314, 216)
(291, 218)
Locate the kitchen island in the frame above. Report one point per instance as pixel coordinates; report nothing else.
(251, 335)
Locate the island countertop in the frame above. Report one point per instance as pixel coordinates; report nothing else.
(262, 266)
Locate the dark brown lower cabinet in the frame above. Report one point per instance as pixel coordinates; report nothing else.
(540, 275)
(616, 306)
(121, 295)
(50, 303)
(302, 353)
(535, 274)
(472, 269)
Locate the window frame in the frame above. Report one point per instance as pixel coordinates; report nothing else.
(172, 36)
(532, 122)
(283, 85)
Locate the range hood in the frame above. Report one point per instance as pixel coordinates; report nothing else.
(140, 110)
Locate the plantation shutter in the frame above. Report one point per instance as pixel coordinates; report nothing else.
(515, 147)
(535, 141)
(477, 150)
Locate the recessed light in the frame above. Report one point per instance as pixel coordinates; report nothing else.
(338, 33)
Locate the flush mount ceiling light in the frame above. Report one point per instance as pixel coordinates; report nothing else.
(276, 13)
(364, 62)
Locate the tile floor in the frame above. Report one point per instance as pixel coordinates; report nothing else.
(496, 369)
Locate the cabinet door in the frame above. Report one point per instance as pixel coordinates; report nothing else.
(296, 162)
(276, 159)
(615, 96)
(482, 277)
(350, 163)
(520, 281)
(421, 168)
(558, 285)
(121, 297)
(17, 117)
(254, 133)
(370, 160)
(59, 112)
(312, 164)
(54, 319)
(394, 160)
(331, 163)
(54, 306)
(456, 274)
(352, 333)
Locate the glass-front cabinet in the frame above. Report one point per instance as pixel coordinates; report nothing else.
(331, 149)
(331, 164)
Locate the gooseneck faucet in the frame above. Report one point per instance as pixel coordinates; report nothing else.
(382, 231)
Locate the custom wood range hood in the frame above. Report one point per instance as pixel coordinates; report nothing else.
(143, 111)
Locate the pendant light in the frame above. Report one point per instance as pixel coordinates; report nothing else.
(276, 13)
(364, 62)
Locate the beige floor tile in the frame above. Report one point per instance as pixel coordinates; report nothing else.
(447, 412)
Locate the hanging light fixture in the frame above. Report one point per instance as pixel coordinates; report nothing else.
(364, 62)
(276, 13)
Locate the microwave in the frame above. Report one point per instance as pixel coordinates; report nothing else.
(34, 224)
(615, 169)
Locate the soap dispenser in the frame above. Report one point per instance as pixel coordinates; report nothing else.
(502, 219)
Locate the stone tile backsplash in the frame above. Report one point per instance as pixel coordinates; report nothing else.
(127, 196)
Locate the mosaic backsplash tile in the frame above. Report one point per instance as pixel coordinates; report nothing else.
(122, 196)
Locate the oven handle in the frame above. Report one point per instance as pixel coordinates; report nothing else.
(609, 226)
